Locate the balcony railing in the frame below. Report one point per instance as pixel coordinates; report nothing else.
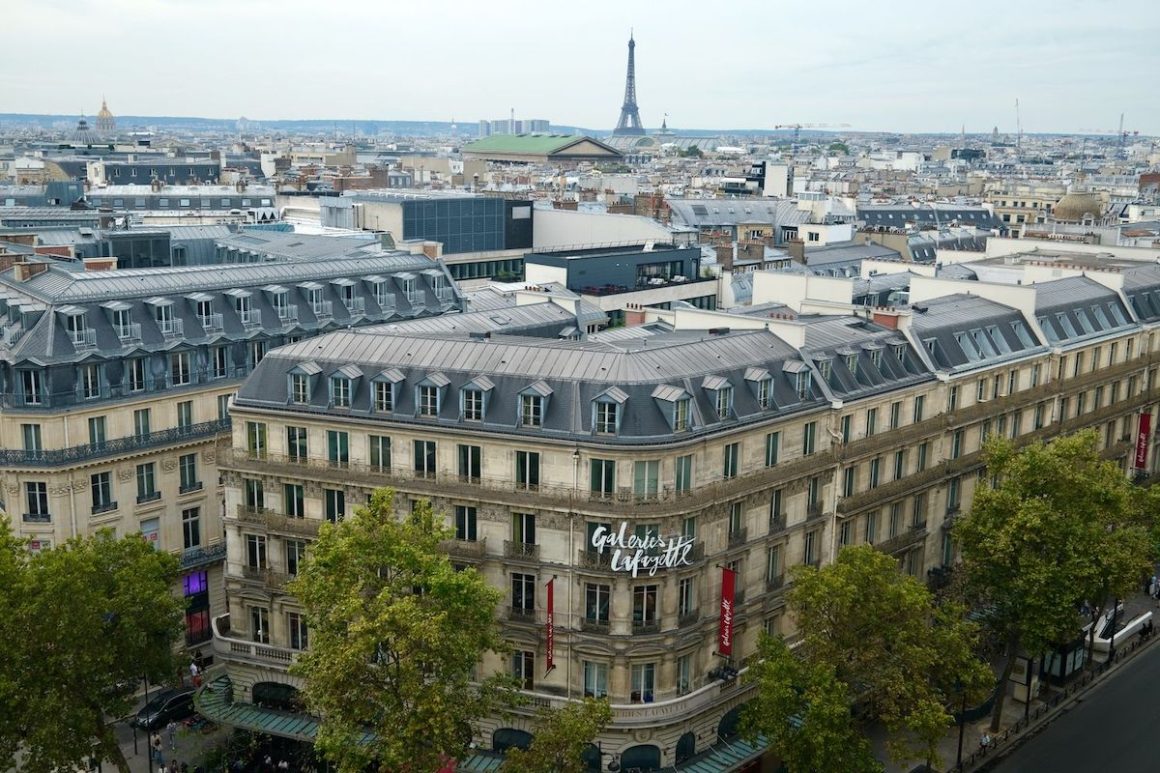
(323, 309)
(37, 518)
(516, 493)
(278, 522)
(251, 320)
(171, 329)
(902, 540)
(116, 447)
(203, 554)
(589, 625)
(594, 559)
(107, 507)
(355, 306)
(83, 340)
(130, 334)
(211, 323)
(773, 584)
(521, 551)
(189, 488)
(287, 315)
(689, 617)
(642, 627)
(266, 577)
(738, 537)
(228, 648)
(521, 615)
(466, 548)
(150, 496)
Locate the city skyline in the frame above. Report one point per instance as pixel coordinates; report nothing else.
(897, 71)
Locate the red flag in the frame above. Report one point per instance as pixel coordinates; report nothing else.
(550, 628)
(725, 629)
(1142, 440)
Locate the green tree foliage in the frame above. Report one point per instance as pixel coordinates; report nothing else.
(692, 152)
(803, 710)
(1056, 529)
(878, 630)
(560, 739)
(395, 636)
(840, 147)
(94, 615)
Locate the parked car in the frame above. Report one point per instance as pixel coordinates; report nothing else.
(170, 705)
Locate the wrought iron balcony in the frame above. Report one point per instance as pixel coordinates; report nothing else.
(251, 320)
(107, 507)
(463, 548)
(521, 551)
(589, 625)
(37, 518)
(278, 522)
(83, 340)
(211, 323)
(738, 537)
(775, 583)
(689, 617)
(151, 496)
(642, 627)
(521, 615)
(203, 555)
(115, 447)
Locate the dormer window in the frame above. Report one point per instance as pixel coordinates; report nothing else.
(442, 289)
(347, 295)
(163, 316)
(802, 385)
(607, 411)
(340, 391)
(429, 394)
(724, 402)
(79, 333)
(281, 303)
(682, 410)
(473, 398)
(384, 388)
(825, 368)
(302, 381)
(876, 358)
(763, 386)
(407, 285)
(900, 352)
(676, 405)
(123, 324)
(533, 404)
(852, 364)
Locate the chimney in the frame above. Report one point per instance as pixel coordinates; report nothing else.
(25, 271)
(432, 250)
(633, 315)
(797, 250)
(725, 256)
(100, 264)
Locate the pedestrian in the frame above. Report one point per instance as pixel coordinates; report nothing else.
(171, 731)
(195, 673)
(200, 660)
(158, 753)
(283, 766)
(985, 742)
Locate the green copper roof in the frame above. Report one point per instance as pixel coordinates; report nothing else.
(531, 144)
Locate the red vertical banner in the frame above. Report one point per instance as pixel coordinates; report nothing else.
(725, 629)
(1142, 437)
(550, 628)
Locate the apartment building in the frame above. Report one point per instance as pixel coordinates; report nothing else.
(658, 476)
(115, 386)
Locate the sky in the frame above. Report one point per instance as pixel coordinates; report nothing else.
(900, 65)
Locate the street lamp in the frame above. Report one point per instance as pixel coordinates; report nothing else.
(1112, 640)
(962, 722)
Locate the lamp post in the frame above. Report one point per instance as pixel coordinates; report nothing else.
(1112, 640)
(962, 723)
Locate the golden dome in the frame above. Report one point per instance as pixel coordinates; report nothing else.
(1077, 207)
(104, 111)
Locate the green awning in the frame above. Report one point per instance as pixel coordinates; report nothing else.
(214, 702)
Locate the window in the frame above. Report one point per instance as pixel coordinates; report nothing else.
(686, 598)
(141, 422)
(981, 391)
(724, 401)
(187, 469)
(644, 605)
(97, 435)
(899, 464)
(296, 627)
(151, 531)
(32, 445)
(953, 399)
(846, 424)
(91, 381)
(335, 503)
(871, 421)
(954, 491)
(523, 592)
(281, 303)
(472, 405)
(772, 444)
(596, 600)
(294, 499)
(813, 495)
(528, 469)
(802, 381)
(875, 471)
(295, 554)
(296, 444)
(606, 417)
(257, 350)
(957, 444)
(845, 530)
(191, 527)
(425, 458)
(465, 523)
(338, 448)
(684, 473)
(384, 396)
(681, 414)
(102, 486)
(871, 527)
(602, 475)
(764, 391)
(185, 414)
(255, 551)
(255, 493)
(595, 679)
(470, 463)
(731, 460)
(256, 445)
(179, 369)
(919, 406)
(684, 674)
(123, 326)
(531, 410)
(776, 509)
(340, 391)
(923, 455)
(736, 521)
(524, 528)
(895, 415)
(523, 668)
(147, 483)
(646, 479)
(219, 362)
(849, 481)
(32, 388)
(810, 548)
(260, 625)
(428, 400)
(643, 682)
(808, 437)
(36, 494)
(773, 567)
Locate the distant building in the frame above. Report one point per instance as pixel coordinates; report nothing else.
(106, 124)
(559, 149)
(169, 171)
(514, 126)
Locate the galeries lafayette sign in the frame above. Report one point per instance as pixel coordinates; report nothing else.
(635, 554)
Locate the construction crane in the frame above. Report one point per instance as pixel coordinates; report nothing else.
(1018, 126)
(1121, 133)
(797, 127)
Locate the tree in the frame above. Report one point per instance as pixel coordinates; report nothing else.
(562, 735)
(803, 710)
(693, 152)
(94, 615)
(878, 630)
(1043, 539)
(395, 636)
(839, 147)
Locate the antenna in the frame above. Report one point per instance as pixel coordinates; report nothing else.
(1018, 126)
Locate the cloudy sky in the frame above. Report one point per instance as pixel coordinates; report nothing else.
(901, 65)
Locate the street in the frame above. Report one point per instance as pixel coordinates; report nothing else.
(1113, 729)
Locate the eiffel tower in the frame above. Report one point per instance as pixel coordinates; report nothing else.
(629, 123)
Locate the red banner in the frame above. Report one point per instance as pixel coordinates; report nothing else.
(725, 629)
(1142, 440)
(550, 628)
